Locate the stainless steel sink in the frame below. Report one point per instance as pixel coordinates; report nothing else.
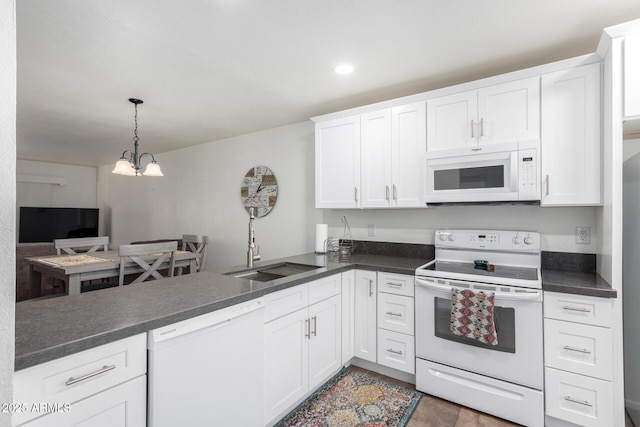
(274, 271)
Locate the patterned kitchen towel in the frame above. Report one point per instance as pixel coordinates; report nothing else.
(472, 315)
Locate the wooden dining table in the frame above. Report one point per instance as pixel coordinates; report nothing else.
(75, 269)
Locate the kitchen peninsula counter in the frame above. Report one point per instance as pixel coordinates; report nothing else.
(50, 328)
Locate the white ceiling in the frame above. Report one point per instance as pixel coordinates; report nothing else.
(212, 69)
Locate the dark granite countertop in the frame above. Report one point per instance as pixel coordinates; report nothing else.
(50, 328)
(47, 329)
(580, 283)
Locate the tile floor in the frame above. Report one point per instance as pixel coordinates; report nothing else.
(435, 412)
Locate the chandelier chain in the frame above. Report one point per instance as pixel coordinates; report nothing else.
(135, 129)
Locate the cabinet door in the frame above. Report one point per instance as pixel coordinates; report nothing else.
(571, 141)
(122, 406)
(286, 360)
(348, 315)
(375, 155)
(450, 121)
(365, 312)
(337, 149)
(324, 341)
(509, 112)
(631, 73)
(408, 148)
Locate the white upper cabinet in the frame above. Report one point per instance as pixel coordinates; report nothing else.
(393, 145)
(375, 156)
(571, 137)
(337, 149)
(505, 112)
(408, 149)
(631, 73)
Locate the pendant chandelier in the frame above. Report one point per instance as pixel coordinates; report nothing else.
(131, 166)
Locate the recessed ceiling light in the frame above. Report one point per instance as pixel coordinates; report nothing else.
(344, 69)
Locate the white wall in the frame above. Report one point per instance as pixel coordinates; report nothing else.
(631, 278)
(557, 225)
(7, 201)
(200, 194)
(78, 189)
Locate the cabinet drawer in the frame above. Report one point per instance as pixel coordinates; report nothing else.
(583, 349)
(396, 313)
(75, 377)
(396, 350)
(578, 399)
(578, 308)
(324, 288)
(122, 406)
(281, 303)
(399, 284)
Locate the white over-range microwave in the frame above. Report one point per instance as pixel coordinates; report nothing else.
(485, 174)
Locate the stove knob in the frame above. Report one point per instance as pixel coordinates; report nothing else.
(516, 240)
(443, 237)
(452, 237)
(528, 240)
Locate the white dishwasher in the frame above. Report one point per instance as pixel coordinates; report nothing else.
(207, 370)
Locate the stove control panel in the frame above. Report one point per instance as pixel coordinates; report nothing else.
(516, 241)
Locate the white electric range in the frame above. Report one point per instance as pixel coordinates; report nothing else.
(503, 377)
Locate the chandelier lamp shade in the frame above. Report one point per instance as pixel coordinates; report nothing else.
(129, 163)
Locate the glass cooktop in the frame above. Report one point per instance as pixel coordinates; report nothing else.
(503, 272)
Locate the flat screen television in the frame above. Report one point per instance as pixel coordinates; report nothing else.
(47, 224)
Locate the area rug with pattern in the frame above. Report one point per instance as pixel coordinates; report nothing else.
(353, 399)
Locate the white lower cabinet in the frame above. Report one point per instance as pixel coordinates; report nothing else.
(365, 315)
(396, 319)
(578, 349)
(302, 347)
(103, 386)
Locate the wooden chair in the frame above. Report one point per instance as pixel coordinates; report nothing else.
(73, 246)
(136, 253)
(198, 245)
(69, 246)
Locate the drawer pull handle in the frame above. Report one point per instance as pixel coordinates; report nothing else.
(580, 309)
(391, 313)
(390, 350)
(579, 350)
(104, 369)
(370, 287)
(395, 284)
(580, 402)
(307, 324)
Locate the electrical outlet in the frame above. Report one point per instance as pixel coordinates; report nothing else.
(371, 230)
(583, 235)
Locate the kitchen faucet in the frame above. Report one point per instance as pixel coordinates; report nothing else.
(251, 252)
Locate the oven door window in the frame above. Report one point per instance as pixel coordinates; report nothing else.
(504, 318)
(467, 178)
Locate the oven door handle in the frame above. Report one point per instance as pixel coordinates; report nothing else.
(508, 296)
